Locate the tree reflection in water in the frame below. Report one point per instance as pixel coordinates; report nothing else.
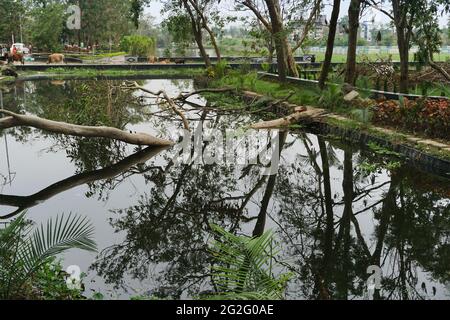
(410, 235)
(321, 204)
(333, 219)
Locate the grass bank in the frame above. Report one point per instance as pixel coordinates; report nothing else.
(61, 73)
(353, 116)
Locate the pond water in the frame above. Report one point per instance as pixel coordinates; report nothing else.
(335, 209)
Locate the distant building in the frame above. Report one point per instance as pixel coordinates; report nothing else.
(366, 30)
(320, 28)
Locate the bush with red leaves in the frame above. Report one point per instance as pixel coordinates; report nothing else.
(429, 116)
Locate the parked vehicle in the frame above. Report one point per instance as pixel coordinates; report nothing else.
(21, 48)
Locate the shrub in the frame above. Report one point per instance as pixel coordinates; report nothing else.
(27, 265)
(221, 68)
(138, 46)
(431, 117)
(331, 98)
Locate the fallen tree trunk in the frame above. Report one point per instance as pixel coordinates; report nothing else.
(18, 120)
(301, 114)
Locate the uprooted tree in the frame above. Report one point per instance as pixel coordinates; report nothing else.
(18, 120)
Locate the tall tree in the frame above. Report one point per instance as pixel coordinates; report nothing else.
(47, 26)
(284, 53)
(354, 12)
(197, 27)
(11, 13)
(428, 37)
(270, 14)
(202, 9)
(406, 16)
(330, 43)
(203, 15)
(136, 10)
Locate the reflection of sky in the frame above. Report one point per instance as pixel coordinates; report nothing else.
(37, 167)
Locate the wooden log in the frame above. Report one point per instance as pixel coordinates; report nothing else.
(301, 114)
(141, 139)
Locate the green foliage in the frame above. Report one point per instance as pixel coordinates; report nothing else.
(138, 45)
(102, 21)
(362, 115)
(382, 150)
(98, 296)
(265, 66)
(428, 36)
(47, 27)
(221, 68)
(251, 81)
(49, 283)
(136, 10)
(331, 98)
(26, 252)
(167, 53)
(373, 167)
(444, 90)
(10, 12)
(245, 267)
(180, 29)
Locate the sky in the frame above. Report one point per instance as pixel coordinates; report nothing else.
(155, 10)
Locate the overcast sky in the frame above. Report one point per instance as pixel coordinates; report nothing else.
(155, 10)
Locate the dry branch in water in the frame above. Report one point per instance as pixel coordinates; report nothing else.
(172, 104)
(300, 113)
(180, 99)
(18, 120)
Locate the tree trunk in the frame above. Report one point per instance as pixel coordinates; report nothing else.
(330, 43)
(205, 26)
(26, 202)
(439, 69)
(327, 266)
(213, 42)
(403, 26)
(343, 283)
(262, 216)
(197, 31)
(199, 39)
(281, 44)
(292, 64)
(19, 120)
(353, 21)
(403, 48)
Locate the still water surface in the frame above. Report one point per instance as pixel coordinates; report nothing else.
(335, 209)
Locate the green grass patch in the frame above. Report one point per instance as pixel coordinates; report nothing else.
(60, 73)
(273, 89)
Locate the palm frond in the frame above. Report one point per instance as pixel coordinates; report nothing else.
(23, 249)
(244, 267)
(59, 235)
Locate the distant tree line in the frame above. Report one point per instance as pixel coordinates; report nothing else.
(43, 22)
